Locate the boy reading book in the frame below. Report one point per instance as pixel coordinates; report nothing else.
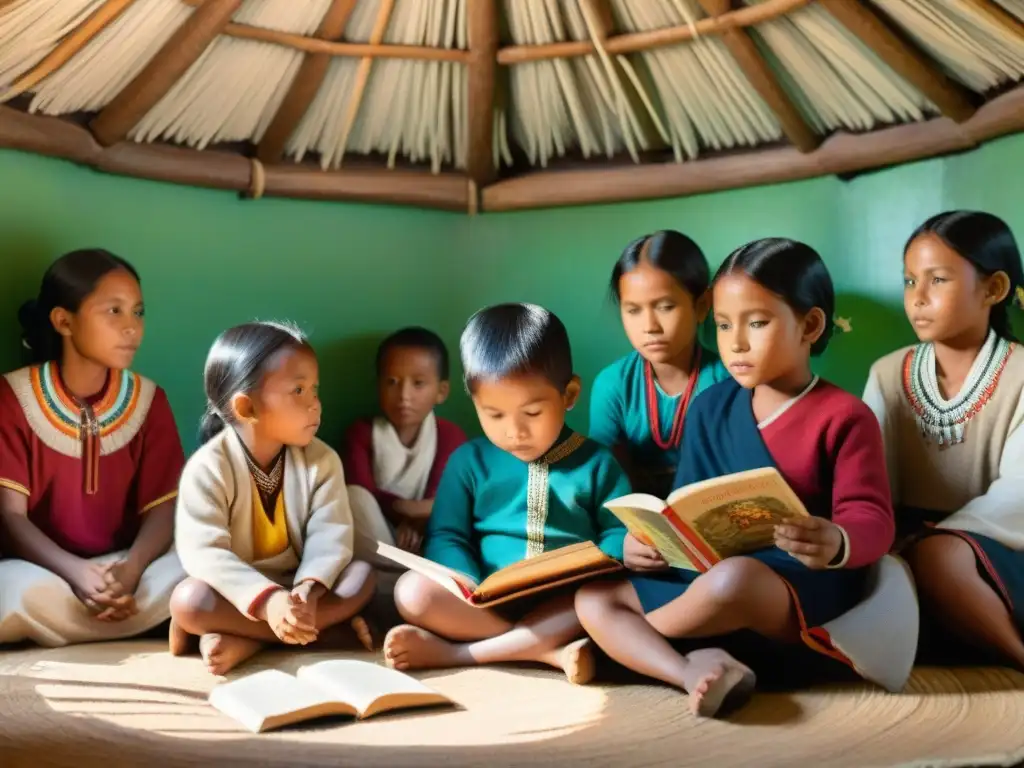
(273, 699)
(531, 486)
(394, 461)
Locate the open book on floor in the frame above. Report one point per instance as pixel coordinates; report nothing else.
(273, 699)
(703, 523)
(566, 565)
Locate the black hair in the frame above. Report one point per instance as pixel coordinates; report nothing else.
(416, 338)
(670, 251)
(237, 362)
(987, 242)
(513, 339)
(791, 270)
(67, 283)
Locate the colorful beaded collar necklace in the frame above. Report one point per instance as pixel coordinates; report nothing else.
(676, 434)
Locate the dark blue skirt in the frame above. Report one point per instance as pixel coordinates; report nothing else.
(818, 595)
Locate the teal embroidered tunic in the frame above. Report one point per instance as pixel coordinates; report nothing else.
(619, 418)
(493, 510)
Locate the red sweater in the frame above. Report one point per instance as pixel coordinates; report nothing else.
(829, 448)
(358, 459)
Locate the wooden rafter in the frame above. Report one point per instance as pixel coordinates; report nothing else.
(68, 47)
(999, 15)
(179, 53)
(316, 44)
(750, 61)
(953, 100)
(654, 38)
(305, 85)
(482, 28)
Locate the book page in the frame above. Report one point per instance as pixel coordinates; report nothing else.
(369, 687)
(652, 527)
(736, 514)
(266, 696)
(555, 566)
(446, 577)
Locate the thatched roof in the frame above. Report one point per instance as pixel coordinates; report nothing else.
(458, 103)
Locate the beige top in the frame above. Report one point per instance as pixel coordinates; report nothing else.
(213, 521)
(980, 481)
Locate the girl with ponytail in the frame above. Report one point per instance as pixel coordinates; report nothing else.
(263, 526)
(89, 464)
(952, 414)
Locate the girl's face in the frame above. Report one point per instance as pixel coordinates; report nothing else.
(523, 415)
(108, 327)
(660, 317)
(761, 339)
(286, 408)
(410, 385)
(944, 295)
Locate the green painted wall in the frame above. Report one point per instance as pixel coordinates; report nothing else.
(351, 273)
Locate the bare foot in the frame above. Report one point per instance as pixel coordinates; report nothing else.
(363, 632)
(409, 647)
(716, 682)
(179, 641)
(579, 661)
(222, 653)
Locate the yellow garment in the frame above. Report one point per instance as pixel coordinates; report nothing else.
(269, 539)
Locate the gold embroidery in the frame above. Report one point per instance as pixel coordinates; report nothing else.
(157, 502)
(537, 491)
(17, 487)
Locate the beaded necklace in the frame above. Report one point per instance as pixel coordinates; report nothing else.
(267, 483)
(944, 421)
(675, 435)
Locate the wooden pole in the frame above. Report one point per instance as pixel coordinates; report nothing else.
(67, 48)
(179, 53)
(482, 24)
(953, 100)
(763, 80)
(653, 38)
(841, 153)
(305, 85)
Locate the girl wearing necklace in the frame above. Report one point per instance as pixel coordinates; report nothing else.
(952, 413)
(89, 464)
(263, 525)
(639, 403)
(773, 307)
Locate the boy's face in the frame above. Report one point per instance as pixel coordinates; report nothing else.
(409, 385)
(523, 415)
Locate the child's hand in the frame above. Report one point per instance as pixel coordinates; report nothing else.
(408, 538)
(814, 541)
(289, 619)
(122, 580)
(305, 599)
(638, 556)
(89, 584)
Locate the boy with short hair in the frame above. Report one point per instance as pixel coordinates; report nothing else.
(393, 463)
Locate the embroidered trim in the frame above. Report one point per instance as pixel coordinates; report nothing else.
(789, 404)
(157, 502)
(17, 487)
(945, 421)
(47, 411)
(538, 473)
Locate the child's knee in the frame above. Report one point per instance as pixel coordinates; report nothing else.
(417, 596)
(593, 600)
(731, 581)
(191, 601)
(935, 557)
(357, 581)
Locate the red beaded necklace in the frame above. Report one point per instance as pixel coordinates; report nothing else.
(676, 435)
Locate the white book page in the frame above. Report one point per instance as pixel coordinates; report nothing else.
(253, 699)
(446, 577)
(361, 683)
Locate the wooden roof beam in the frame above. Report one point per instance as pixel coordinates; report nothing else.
(179, 53)
(652, 38)
(305, 85)
(953, 100)
(999, 15)
(482, 28)
(743, 49)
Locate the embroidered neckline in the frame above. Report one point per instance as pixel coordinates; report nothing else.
(267, 483)
(675, 435)
(537, 491)
(945, 421)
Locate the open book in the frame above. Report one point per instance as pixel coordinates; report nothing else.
(272, 698)
(565, 565)
(703, 523)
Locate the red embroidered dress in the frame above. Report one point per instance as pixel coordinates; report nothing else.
(89, 470)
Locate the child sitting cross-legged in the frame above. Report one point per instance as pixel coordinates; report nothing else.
(531, 485)
(393, 463)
